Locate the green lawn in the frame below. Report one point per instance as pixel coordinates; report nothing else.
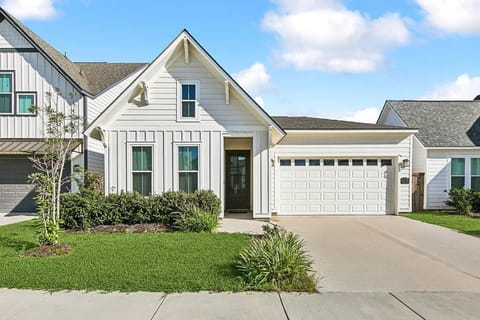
(164, 262)
(460, 223)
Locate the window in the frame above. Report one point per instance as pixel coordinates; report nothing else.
(188, 168)
(475, 174)
(189, 101)
(6, 92)
(314, 162)
(328, 162)
(386, 162)
(300, 162)
(457, 173)
(357, 162)
(343, 162)
(372, 162)
(285, 162)
(25, 102)
(142, 169)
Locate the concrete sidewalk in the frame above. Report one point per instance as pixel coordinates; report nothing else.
(27, 304)
(14, 218)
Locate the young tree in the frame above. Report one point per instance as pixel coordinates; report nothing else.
(62, 129)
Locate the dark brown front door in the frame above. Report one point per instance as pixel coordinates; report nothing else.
(237, 180)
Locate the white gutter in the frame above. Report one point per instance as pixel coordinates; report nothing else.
(353, 131)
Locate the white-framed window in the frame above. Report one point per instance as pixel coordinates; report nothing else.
(457, 173)
(142, 169)
(6, 92)
(475, 174)
(25, 103)
(188, 101)
(188, 168)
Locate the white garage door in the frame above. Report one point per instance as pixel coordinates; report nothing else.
(335, 186)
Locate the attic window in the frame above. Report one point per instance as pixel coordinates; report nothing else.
(188, 101)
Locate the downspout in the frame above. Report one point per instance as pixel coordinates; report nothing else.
(85, 137)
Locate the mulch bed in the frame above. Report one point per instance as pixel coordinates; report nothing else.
(125, 228)
(58, 249)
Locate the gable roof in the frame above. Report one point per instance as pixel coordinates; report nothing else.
(164, 55)
(309, 123)
(441, 123)
(81, 75)
(102, 75)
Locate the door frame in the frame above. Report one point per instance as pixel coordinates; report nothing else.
(248, 153)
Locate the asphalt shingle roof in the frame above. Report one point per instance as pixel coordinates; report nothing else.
(441, 123)
(309, 123)
(102, 75)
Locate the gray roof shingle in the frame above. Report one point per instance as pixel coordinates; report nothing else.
(441, 123)
(102, 75)
(309, 123)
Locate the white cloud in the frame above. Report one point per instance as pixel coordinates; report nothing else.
(30, 9)
(255, 80)
(455, 16)
(325, 35)
(464, 87)
(367, 115)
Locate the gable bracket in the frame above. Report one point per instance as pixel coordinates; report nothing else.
(227, 92)
(185, 48)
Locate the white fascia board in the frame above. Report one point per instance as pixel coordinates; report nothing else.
(341, 131)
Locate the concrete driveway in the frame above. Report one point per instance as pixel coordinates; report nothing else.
(388, 254)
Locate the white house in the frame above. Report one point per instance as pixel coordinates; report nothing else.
(446, 148)
(182, 123)
(185, 124)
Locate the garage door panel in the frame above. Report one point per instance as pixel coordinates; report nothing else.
(324, 189)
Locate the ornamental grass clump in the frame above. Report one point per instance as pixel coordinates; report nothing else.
(193, 219)
(277, 261)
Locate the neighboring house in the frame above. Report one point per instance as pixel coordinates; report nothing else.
(185, 124)
(446, 149)
(29, 69)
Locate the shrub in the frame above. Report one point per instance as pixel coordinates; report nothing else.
(461, 200)
(88, 209)
(475, 198)
(193, 219)
(278, 261)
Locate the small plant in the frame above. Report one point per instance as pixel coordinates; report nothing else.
(461, 200)
(193, 219)
(278, 261)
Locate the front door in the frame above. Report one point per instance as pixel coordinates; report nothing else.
(237, 180)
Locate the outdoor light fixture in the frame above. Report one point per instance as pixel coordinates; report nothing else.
(405, 163)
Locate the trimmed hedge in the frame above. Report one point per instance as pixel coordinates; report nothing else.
(88, 208)
(465, 201)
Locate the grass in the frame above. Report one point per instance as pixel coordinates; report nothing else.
(457, 222)
(166, 262)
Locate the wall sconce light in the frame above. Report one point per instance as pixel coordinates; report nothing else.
(405, 163)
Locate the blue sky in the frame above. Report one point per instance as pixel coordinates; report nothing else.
(328, 58)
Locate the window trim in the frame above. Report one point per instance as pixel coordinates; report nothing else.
(130, 164)
(17, 103)
(13, 104)
(465, 163)
(180, 118)
(177, 160)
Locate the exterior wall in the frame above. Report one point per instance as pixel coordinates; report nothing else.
(437, 175)
(361, 145)
(419, 156)
(96, 150)
(156, 124)
(33, 73)
(391, 118)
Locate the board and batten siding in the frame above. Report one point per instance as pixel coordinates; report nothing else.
(33, 73)
(156, 124)
(359, 145)
(96, 150)
(437, 175)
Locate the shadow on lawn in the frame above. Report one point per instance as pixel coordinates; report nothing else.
(475, 233)
(16, 244)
